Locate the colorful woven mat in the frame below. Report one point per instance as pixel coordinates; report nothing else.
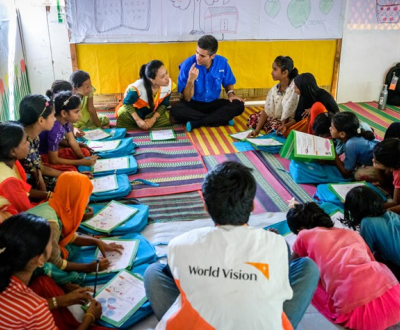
(178, 207)
(271, 195)
(368, 112)
(216, 140)
(174, 165)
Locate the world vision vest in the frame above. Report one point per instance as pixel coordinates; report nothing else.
(143, 100)
(229, 277)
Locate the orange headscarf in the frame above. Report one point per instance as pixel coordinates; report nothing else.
(69, 200)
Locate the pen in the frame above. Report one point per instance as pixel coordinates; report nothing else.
(95, 279)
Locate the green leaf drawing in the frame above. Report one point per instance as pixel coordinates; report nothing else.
(298, 12)
(326, 6)
(272, 8)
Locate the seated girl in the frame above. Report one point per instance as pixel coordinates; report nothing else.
(281, 102)
(146, 100)
(60, 86)
(36, 113)
(16, 195)
(60, 154)
(387, 158)
(82, 85)
(25, 245)
(354, 290)
(364, 210)
(358, 147)
(313, 101)
(322, 125)
(64, 212)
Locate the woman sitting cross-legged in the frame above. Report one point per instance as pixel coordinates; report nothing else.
(146, 100)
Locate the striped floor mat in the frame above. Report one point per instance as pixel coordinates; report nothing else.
(216, 140)
(368, 112)
(271, 195)
(178, 207)
(174, 165)
(279, 168)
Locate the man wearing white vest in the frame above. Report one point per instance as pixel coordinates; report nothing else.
(231, 276)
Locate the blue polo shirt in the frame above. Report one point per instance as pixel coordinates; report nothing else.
(207, 86)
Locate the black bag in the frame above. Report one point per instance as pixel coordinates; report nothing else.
(393, 95)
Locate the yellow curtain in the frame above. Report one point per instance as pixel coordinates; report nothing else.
(112, 67)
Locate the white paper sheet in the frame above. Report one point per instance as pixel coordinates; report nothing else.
(110, 164)
(110, 217)
(99, 146)
(120, 261)
(335, 218)
(96, 134)
(241, 135)
(264, 142)
(104, 183)
(165, 134)
(120, 296)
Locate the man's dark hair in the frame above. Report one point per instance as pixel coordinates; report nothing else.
(208, 43)
(229, 191)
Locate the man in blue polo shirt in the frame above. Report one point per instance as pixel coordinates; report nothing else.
(200, 80)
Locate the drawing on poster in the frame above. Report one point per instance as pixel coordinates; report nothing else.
(272, 8)
(184, 5)
(298, 12)
(221, 20)
(132, 14)
(325, 6)
(91, 21)
(388, 11)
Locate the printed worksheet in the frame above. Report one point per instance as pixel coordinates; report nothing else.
(241, 135)
(100, 146)
(104, 183)
(118, 261)
(341, 190)
(111, 216)
(335, 218)
(264, 142)
(110, 164)
(311, 145)
(161, 135)
(96, 134)
(121, 297)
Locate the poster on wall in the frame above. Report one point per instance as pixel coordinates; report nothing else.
(97, 21)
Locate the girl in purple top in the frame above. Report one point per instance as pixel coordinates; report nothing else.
(58, 147)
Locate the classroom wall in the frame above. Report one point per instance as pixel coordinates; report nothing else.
(366, 54)
(368, 51)
(46, 44)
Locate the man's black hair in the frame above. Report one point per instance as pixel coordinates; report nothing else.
(229, 191)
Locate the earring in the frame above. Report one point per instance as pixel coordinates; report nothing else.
(41, 265)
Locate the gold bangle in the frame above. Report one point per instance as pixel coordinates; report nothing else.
(49, 194)
(90, 314)
(54, 300)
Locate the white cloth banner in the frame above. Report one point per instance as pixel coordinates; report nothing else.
(94, 21)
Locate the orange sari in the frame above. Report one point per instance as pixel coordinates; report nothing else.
(305, 125)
